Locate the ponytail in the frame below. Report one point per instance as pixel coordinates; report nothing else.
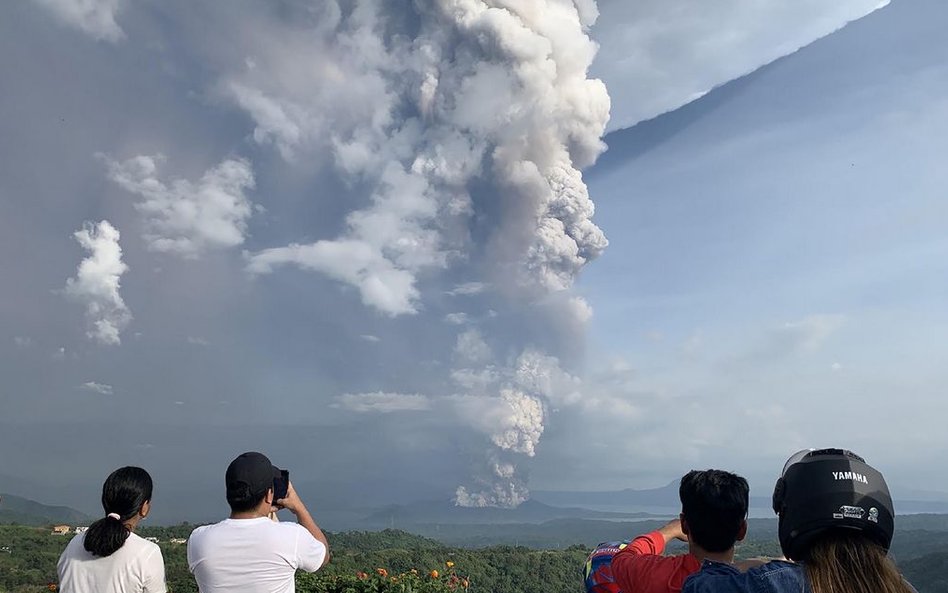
(124, 493)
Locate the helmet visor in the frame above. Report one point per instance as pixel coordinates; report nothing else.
(795, 458)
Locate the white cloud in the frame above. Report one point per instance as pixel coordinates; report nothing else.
(197, 341)
(513, 420)
(657, 55)
(459, 318)
(580, 309)
(473, 94)
(186, 218)
(97, 282)
(468, 288)
(94, 17)
(22, 341)
(371, 338)
(795, 337)
(471, 349)
(383, 402)
(380, 283)
(102, 388)
(541, 374)
(810, 332)
(519, 424)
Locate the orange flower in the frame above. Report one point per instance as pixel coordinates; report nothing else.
(434, 574)
(52, 587)
(361, 576)
(382, 572)
(449, 564)
(465, 583)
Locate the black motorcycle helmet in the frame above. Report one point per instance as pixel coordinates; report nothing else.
(826, 489)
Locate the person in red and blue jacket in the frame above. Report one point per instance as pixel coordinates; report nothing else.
(713, 518)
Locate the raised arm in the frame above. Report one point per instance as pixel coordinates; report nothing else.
(293, 504)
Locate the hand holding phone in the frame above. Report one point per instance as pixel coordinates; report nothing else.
(292, 502)
(281, 485)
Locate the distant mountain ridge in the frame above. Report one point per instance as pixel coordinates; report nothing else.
(23, 511)
(446, 512)
(909, 501)
(665, 496)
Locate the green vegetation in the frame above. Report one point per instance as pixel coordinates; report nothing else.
(393, 561)
(928, 573)
(408, 563)
(28, 558)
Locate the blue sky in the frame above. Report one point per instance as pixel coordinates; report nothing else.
(323, 237)
(779, 244)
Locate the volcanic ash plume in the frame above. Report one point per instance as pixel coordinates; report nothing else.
(422, 108)
(466, 124)
(513, 420)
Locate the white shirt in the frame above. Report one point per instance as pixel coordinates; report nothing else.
(136, 567)
(252, 556)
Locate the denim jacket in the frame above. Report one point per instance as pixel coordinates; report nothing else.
(774, 577)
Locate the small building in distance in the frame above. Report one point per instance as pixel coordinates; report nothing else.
(81, 529)
(152, 539)
(61, 530)
(178, 540)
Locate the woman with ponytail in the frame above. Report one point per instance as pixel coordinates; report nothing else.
(109, 557)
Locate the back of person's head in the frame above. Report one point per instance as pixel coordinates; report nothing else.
(714, 505)
(248, 479)
(836, 516)
(830, 489)
(124, 493)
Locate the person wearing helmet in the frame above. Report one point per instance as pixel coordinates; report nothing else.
(713, 518)
(835, 525)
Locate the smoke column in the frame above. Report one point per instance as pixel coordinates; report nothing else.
(469, 121)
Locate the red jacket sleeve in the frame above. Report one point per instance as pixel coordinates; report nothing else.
(623, 563)
(650, 543)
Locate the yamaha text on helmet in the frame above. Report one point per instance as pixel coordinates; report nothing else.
(826, 489)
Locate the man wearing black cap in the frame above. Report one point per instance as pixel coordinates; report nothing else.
(250, 552)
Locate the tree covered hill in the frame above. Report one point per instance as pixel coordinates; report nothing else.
(23, 511)
(928, 573)
(366, 562)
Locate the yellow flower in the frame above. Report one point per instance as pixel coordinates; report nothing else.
(449, 564)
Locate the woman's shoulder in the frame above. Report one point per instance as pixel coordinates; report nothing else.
(776, 576)
(141, 546)
(75, 546)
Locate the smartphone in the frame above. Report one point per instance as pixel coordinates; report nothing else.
(281, 485)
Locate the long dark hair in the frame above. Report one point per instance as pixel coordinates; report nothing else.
(124, 493)
(849, 562)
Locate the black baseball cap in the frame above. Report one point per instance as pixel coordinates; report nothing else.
(250, 476)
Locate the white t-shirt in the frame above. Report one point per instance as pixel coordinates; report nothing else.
(252, 556)
(136, 567)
